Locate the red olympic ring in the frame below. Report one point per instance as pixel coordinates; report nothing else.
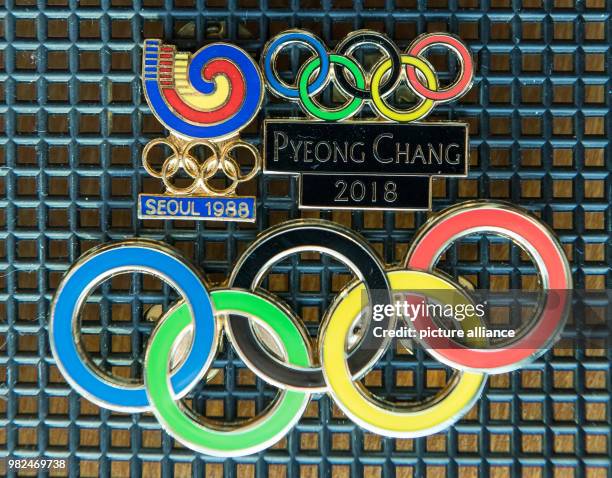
(457, 89)
(504, 219)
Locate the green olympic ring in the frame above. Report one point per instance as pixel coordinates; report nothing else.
(312, 107)
(201, 435)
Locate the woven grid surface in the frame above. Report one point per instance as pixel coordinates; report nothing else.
(74, 122)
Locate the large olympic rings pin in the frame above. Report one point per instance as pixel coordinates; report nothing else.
(341, 68)
(302, 366)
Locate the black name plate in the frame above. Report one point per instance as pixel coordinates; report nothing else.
(357, 191)
(366, 147)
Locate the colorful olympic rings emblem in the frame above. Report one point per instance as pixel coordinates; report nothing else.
(359, 88)
(302, 366)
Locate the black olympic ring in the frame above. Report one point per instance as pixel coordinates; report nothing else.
(294, 237)
(383, 43)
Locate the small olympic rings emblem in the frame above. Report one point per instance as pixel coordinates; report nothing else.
(341, 68)
(331, 363)
(220, 159)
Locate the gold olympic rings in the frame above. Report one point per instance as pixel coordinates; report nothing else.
(220, 159)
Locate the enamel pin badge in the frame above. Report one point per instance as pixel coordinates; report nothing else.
(204, 99)
(226, 314)
(383, 163)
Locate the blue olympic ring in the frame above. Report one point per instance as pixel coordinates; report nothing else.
(100, 265)
(246, 113)
(277, 45)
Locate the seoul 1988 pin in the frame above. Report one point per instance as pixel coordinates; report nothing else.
(382, 163)
(204, 99)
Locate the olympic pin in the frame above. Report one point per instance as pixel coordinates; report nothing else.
(240, 307)
(204, 99)
(386, 163)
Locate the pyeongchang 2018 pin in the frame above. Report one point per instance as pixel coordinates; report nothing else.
(385, 163)
(204, 99)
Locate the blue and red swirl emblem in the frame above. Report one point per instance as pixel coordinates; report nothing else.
(210, 94)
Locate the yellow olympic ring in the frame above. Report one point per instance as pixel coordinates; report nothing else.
(421, 109)
(364, 408)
